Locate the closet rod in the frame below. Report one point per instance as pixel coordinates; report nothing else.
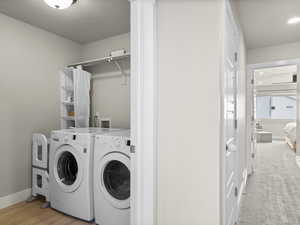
(101, 60)
(112, 74)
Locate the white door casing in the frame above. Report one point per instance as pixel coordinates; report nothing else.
(143, 112)
(251, 148)
(230, 186)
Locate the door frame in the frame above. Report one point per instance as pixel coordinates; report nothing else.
(144, 86)
(250, 95)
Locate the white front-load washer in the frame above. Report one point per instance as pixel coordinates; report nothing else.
(71, 171)
(112, 178)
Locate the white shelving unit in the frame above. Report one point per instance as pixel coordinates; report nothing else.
(68, 108)
(67, 99)
(75, 98)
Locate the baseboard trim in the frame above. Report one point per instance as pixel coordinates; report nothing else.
(14, 198)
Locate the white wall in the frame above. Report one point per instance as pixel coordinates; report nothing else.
(111, 98)
(274, 53)
(29, 91)
(189, 112)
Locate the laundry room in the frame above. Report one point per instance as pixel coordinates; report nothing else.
(65, 108)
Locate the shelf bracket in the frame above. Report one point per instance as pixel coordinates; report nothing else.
(79, 67)
(118, 65)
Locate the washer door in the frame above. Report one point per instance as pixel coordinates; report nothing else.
(68, 170)
(115, 179)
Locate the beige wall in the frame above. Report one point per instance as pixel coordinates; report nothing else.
(30, 59)
(111, 98)
(189, 112)
(274, 53)
(102, 48)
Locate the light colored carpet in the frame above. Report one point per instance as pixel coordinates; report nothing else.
(272, 195)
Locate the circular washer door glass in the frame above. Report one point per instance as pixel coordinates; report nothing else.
(116, 178)
(67, 168)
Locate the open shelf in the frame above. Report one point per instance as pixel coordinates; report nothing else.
(67, 103)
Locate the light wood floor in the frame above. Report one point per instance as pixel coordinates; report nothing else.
(32, 214)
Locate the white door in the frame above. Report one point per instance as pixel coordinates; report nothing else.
(230, 120)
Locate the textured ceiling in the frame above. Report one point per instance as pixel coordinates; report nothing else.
(265, 21)
(86, 21)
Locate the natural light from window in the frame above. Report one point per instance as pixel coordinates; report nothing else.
(276, 107)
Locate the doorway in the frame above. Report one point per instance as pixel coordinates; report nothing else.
(273, 175)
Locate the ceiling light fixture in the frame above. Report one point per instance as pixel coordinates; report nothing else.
(60, 4)
(294, 20)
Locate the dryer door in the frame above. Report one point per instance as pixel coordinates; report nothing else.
(68, 169)
(115, 179)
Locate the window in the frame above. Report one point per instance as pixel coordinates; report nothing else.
(276, 107)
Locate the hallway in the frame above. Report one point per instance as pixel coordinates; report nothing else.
(272, 195)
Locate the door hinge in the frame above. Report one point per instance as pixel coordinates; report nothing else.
(236, 192)
(132, 149)
(235, 123)
(252, 81)
(235, 56)
(253, 155)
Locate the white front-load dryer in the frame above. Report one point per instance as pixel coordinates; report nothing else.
(112, 178)
(71, 171)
